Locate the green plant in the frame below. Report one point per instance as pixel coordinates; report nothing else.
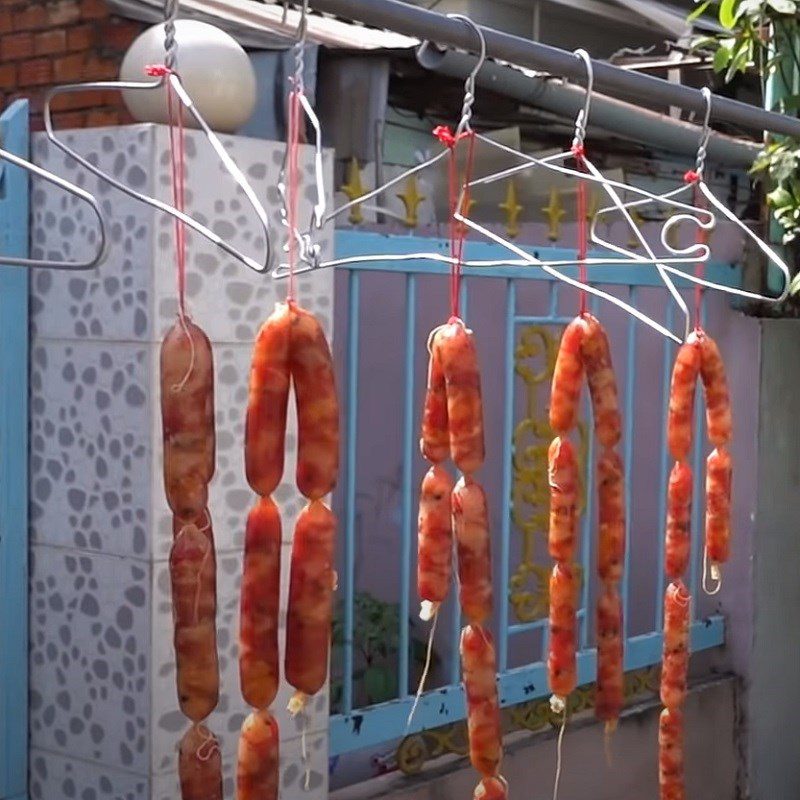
(764, 35)
(376, 646)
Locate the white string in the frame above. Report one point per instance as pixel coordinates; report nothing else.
(424, 678)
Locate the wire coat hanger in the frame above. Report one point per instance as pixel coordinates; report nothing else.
(168, 74)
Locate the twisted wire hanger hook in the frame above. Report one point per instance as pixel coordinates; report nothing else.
(705, 134)
(171, 8)
(464, 124)
(582, 120)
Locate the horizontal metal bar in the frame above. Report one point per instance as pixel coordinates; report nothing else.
(646, 89)
(358, 243)
(374, 725)
(527, 627)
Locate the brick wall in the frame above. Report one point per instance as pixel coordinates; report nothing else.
(45, 43)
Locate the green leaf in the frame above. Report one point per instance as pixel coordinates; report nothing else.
(794, 287)
(727, 17)
(783, 6)
(778, 198)
(721, 58)
(699, 11)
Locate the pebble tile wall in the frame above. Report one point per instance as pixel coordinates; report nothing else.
(104, 715)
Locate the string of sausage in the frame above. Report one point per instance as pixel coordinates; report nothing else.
(698, 357)
(290, 348)
(453, 425)
(584, 349)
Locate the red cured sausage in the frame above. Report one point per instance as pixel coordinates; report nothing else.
(670, 755)
(596, 354)
(679, 521)
(187, 415)
(265, 427)
(561, 663)
(483, 708)
(715, 384)
(194, 609)
(611, 517)
(257, 773)
(675, 662)
(719, 471)
(610, 694)
(471, 526)
(456, 345)
(308, 618)
(311, 366)
(435, 440)
(565, 391)
(200, 765)
(681, 400)
(435, 538)
(564, 482)
(259, 670)
(491, 789)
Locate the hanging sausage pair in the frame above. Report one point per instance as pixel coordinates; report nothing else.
(700, 358)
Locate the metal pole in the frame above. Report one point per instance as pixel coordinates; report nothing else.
(565, 99)
(645, 89)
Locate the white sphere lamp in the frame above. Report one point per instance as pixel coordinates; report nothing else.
(215, 70)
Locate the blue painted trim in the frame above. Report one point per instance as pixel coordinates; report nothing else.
(370, 726)
(14, 215)
(359, 243)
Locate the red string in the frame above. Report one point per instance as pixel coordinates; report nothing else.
(293, 185)
(701, 238)
(578, 152)
(177, 150)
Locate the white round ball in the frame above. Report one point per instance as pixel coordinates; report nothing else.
(215, 70)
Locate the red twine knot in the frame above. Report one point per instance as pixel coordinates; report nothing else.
(578, 150)
(692, 176)
(445, 136)
(157, 70)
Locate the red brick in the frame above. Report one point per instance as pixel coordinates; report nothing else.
(34, 17)
(68, 68)
(37, 122)
(36, 72)
(6, 20)
(81, 37)
(119, 34)
(8, 76)
(50, 42)
(64, 12)
(100, 69)
(16, 46)
(102, 117)
(74, 101)
(69, 119)
(94, 9)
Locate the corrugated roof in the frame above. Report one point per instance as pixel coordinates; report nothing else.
(256, 24)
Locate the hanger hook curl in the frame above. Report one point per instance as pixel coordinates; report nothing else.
(464, 124)
(582, 120)
(705, 133)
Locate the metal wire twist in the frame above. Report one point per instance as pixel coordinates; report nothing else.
(705, 136)
(464, 124)
(583, 116)
(171, 8)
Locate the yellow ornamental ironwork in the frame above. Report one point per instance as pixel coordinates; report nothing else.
(354, 189)
(554, 211)
(512, 209)
(592, 207)
(638, 220)
(412, 199)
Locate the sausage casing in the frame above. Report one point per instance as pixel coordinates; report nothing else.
(435, 439)
(670, 754)
(565, 392)
(719, 472)
(187, 415)
(677, 543)
(311, 366)
(200, 765)
(596, 354)
(681, 400)
(311, 582)
(563, 478)
(435, 536)
(561, 661)
(257, 767)
(610, 694)
(715, 385)
(456, 345)
(491, 789)
(259, 666)
(471, 526)
(194, 610)
(265, 427)
(675, 661)
(611, 516)
(483, 709)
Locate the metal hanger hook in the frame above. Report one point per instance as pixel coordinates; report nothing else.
(299, 46)
(705, 135)
(469, 85)
(582, 120)
(171, 8)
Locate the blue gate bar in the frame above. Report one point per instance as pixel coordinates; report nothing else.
(369, 727)
(553, 305)
(508, 455)
(407, 516)
(353, 320)
(629, 426)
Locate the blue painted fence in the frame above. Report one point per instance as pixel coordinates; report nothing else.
(357, 728)
(14, 460)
